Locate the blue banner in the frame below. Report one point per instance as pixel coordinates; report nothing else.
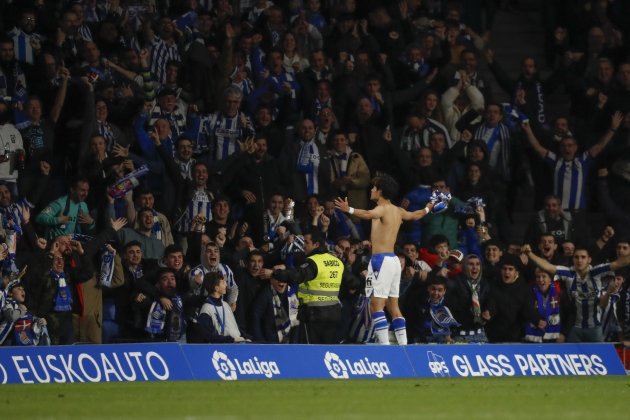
(170, 361)
(515, 360)
(107, 363)
(232, 362)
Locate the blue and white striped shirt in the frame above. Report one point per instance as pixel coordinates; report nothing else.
(22, 44)
(232, 287)
(85, 33)
(200, 203)
(176, 119)
(223, 133)
(160, 55)
(12, 217)
(585, 292)
(497, 140)
(570, 178)
(434, 126)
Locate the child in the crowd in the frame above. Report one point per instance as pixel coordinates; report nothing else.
(17, 325)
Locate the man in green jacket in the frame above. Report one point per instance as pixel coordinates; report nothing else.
(69, 214)
(444, 223)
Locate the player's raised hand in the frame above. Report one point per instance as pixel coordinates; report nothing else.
(342, 204)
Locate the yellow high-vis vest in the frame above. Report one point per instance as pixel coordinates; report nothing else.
(323, 290)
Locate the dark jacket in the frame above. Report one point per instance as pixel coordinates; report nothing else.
(263, 321)
(248, 289)
(459, 299)
(514, 309)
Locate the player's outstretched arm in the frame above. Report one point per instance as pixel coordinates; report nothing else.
(418, 214)
(375, 213)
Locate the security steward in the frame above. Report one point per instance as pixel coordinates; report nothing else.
(319, 279)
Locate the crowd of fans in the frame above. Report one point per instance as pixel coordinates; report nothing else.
(161, 161)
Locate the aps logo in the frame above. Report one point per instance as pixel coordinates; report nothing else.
(437, 365)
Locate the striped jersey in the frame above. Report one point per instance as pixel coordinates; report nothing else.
(85, 33)
(12, 217)
(410, 139)
(223, 133)
(22, 45)
(434, 126)
(104, 129)
(497, 141)
(13, 85)
(585, 292)
(277, 82)
(570, 178)
(161, 53)
(200, 203)
(176, 119)
(232, 287)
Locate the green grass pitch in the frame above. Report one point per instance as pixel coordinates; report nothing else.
(555, 398)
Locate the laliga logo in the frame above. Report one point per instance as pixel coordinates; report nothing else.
(335, 366)
(224, 367)
(344, 368)
(229, 370)
(437, 365)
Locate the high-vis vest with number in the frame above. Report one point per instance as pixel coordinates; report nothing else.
(324, 288)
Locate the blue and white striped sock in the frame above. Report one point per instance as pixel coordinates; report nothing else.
(400, 330)
(381, 327)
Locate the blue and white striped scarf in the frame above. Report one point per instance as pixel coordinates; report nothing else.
(285, 319)
(8, 264)
(107, 269)
(441, 320)
(63, 300)
(308, 164)
(411, 140)
(288, 251)
(548, 308)
(156, 229)
(171, 324)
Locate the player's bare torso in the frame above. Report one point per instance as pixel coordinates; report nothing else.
(385, 229)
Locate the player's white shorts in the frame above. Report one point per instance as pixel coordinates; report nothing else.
(383, 278)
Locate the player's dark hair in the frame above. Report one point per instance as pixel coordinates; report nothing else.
(387, 185)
